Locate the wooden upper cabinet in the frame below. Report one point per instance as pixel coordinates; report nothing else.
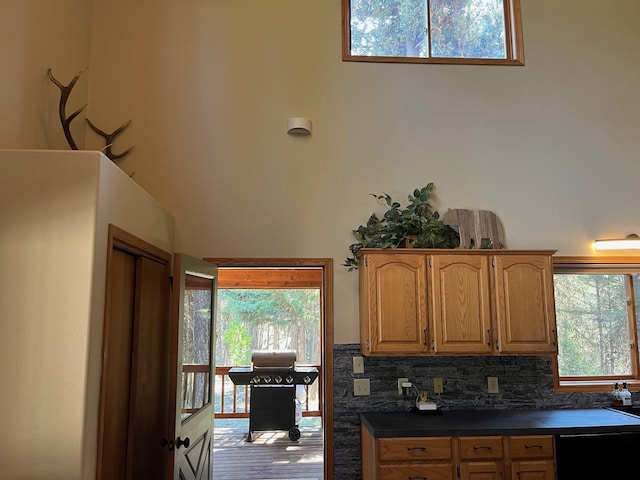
(456, 302)
(461, 305)
(393, 304)
(524, 304)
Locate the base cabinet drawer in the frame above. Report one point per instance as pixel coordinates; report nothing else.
(441, 471)
(480, 448)
(414, 448)
(533, 446)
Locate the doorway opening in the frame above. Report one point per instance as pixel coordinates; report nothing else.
(274, 304)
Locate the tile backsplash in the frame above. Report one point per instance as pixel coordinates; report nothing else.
(524, 381)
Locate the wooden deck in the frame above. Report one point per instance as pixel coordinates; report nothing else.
(271, 455)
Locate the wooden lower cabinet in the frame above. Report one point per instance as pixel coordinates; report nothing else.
(532, 457)
(481, 458)
(527, 457)
(404, 458)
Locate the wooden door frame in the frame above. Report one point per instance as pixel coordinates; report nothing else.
(327, 333)
(132, 245)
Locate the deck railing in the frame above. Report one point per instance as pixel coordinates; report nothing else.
(231, 400)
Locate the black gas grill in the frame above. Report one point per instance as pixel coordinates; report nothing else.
(272, 379)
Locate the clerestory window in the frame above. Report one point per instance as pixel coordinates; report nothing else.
(433, 31)
(597, 321)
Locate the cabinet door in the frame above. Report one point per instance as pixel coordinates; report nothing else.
(435, 471)
(533, 470)
(482, 471)
(393, 304)
(460, 302)
(525, 308)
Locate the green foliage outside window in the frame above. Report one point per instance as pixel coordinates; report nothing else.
(438, 28)
(237, 339)
(594, 335)
(267, 319)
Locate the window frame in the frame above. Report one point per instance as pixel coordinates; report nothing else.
(513, 41)
(606, 264)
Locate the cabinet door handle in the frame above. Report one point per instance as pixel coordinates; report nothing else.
(489, 337)
(424, 332)
(534, 446)
(422, 449)
(482, 447)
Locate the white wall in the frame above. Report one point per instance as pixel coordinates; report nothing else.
(46, 249)
(38, 35)
(551, 147)
(55, 207)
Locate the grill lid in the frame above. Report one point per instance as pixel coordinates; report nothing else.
(273, 359)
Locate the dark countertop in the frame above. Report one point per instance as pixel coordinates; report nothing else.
(500, 422)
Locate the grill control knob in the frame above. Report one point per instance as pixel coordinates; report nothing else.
(306, 379)
(267, 379)
(278, 379)
(255, 379)
(289, 379)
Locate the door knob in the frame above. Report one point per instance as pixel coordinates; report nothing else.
(180, 442)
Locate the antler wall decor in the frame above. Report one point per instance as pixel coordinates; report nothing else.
(65, 91)
(109, 138)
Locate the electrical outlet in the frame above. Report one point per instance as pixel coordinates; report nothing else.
(400, 382)
(358, 365)
(492, 385)
(361, 386)
(437, 385)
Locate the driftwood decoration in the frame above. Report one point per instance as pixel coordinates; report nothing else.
(109, 138)
(477, 228)
(65, 91)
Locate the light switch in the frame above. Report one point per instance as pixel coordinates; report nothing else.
(358, 365)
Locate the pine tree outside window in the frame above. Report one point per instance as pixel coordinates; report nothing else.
(433, 31)
(597, 322)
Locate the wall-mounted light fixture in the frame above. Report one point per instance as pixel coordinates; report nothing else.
(298, 126)
(630, 242)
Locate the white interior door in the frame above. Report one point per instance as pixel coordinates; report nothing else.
(194, 291)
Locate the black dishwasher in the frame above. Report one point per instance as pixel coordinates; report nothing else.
(595, 456)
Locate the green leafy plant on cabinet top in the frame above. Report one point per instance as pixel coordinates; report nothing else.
(417, 224)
